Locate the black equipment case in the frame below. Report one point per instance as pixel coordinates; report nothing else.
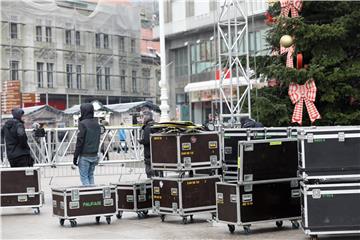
(184, 196)
(134, 197)
(185, 151)
(267, 160)
(232, 137)
(249, 203)
(332, 208)
(20, 187)
(329, 152)
(70, 203)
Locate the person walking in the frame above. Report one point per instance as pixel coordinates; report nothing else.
(87, 144)
(17, 147)
(145, 140)
(122, 138)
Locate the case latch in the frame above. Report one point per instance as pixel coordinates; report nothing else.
(341, 136)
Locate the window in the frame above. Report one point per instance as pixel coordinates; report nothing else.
(40, 74)
(68, 37)
(38, 33)
(98, 78)
(69, 75)
(146, 76)
(48, 34)
(77, 38)
(201, 7)
(13, 31)
(133, 81)
(133, 47)
(106, 41)
(202, 57)
(50, 75)
(97, 40)
(121, 44)
(107, 78)
(78, 76)
(181, 61)
(122, 81)
(14, 70)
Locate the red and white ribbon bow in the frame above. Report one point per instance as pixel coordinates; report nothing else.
(290, 5)
(303, 93)
(289, 58)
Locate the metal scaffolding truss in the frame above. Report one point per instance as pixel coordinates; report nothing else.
(233, 57)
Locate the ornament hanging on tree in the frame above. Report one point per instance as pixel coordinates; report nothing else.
(290, 6)
(303, 93)
(286, 41)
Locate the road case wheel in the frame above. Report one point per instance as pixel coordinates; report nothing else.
(213, 216)
(247, 229)
(108, 220)
(231, 228)
(146, 212)
(162, 217)
(313, 237)
(191, 218)
(97, 219)
(119, 215)
(141, 215)
(279, 224)
(184, 220)
(36, 211)
(295, 224)
(62, 221)
(73, 223)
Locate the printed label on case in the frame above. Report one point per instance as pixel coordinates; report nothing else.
(275, 143)
(186, 146)
(108, 202)
(74, 205)
(156, 190)
(91, 204)
(22, 198)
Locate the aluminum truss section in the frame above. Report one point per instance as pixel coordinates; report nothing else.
(233, 59)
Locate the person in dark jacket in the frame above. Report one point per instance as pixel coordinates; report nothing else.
(145, 140)
(17, 147)
(87, 144)
(250, 123)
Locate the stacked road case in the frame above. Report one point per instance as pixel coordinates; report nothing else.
(71, 203)
(267, 185)
(20, 187)
(329, 163)
(134, 197)
(231, 138)
(178, 153)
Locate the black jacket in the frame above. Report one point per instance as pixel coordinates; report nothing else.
(13, 132)
(146, 138)
(88, 138)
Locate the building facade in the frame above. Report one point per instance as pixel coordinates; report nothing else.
(63, 53)
(192, 55)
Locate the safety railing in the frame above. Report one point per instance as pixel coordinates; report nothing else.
(118, 145)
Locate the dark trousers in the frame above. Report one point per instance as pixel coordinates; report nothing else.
(23, 161)
(150, 172)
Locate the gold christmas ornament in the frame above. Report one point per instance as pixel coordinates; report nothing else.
(272, 2)
(286, 41)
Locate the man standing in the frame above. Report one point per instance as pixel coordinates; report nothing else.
(87, 144)
(17, 147)
(146, 131)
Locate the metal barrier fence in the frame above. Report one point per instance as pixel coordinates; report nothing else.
(119, 151)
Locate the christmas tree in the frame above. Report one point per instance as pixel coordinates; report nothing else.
(326, 46)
